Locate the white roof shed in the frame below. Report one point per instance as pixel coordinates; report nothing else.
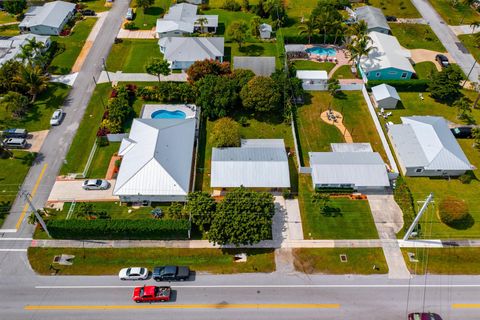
(312, 74)
(386, 96)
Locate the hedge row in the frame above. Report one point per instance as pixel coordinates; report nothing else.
(118, 229)
(403, 85)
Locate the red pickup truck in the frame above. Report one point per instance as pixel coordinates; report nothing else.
(151, 294)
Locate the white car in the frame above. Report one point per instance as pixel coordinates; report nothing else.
(129, 15)
(134, 273)
(95, 184)
(56, 117)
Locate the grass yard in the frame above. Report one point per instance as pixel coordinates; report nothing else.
(266, 127)
(70, 46)
(101, 160)
(416, 36)
(146, 20)
(9, 31)
(6, 17)
(298, 9)
(110, 261)
(327, 261)
(424, 69)
(455, 15)
(95, 5)
(350, 219)
(471, 44)
(38, 116)
(344, 72)
(397, 8)
(12, 173)
(132, 55)
(313, 65)
(446, 261)
(219, 3)
(225, 18)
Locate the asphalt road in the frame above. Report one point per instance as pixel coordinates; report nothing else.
(450, 41)
(41, 176)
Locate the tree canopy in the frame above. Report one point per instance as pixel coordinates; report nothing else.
(201, 207)
(158, 67)
(216, 95)
(261, 94)
(445, 85)
(14, 6)
(225, 133)
(200, 69)
(238, 32)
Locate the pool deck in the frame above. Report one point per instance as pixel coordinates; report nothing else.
(190, 110)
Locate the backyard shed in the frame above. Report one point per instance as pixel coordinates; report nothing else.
(261, 66)
(265, 31)
(313, 79)
(385, 96)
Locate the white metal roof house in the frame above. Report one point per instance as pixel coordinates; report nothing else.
(352, 166)
(426, 147)
(385, 96)
(313, 79)
(387, 60)
(12, 47)
(257, 163)
(182, 52)
(265, 31)
(182, 19)
(261, 66)
(48, 19)
(374, 18)
(157, 161)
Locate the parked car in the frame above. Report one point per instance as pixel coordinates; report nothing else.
(88, 12)
(15, 143)
(424, 316)
(134, 273)
(95, 184)
(443, 60)
(462, 132)
(56, 117)
(151, 294)
(129, 15)
(171, 273)
(15, 133)
(391, 18)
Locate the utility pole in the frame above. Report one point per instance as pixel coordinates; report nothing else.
(417, 218)
(40, 220)
(468, 75)
(105, 69)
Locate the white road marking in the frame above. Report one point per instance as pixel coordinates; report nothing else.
(8, 230)
(16, 239)
(13, 250)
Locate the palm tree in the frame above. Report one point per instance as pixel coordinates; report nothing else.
(255, 25)
(358, 29)
(201, 22)
(33, 78)
(474, 25)
(359, 48)
(309, 28)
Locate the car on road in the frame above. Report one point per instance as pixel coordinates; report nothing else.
(15, 133)
(88, 12)
(151, 294)
(462, 132)
(443, 60)
(95, 184)
(129, 15)
(56, 117)
(424, 316)
(15, 143)
(133, 273)
(171, 273)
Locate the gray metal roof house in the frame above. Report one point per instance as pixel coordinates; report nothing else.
(12, 47)
(48, 19)
(257, 163)
(385, 96)
(374, 18)
(426, 147)
(261, 66)
(350, 166)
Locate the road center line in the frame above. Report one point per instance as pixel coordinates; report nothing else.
(13, 250)
(466, 306)
(34, 191)
(16, 239)
(190, 306)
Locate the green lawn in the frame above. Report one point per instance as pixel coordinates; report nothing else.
(146, 20)
(313, 65)
(353, 220)
(455, 15)
(12, 173)
(38, 116)
(471, 44)
(327, 261)
(101, 160)
(220, 3)
(416, 36)
(72, 44)
(448, 261)
(110, 261)
(225, 18)
(256, 49)
(397, 8)
(6, 17)
(298, 9)
(9, 31)
(95, 5)
(344, 72)
(132, 55)
(424, 69)
(262, 127)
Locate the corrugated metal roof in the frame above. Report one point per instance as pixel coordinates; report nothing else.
(373, 17)
(362, 169)
(384, 91)
(426, 141)
(157, 158)
(251, 165)
(192, 48)
(261, 66)
(183, 17)
(312, 74)
(51, 14)
(295, 48)
(351, 147)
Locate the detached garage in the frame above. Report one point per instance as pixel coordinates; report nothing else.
(385, 96)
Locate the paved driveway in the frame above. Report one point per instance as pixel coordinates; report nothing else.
(70, 190)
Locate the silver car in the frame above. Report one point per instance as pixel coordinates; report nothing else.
(95, 184)
(129, 15)
(56, 117)
(134, 273)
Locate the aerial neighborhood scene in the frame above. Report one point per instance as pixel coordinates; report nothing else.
(240, 159)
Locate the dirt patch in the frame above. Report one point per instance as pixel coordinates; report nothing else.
(336, 120)
(82, 56)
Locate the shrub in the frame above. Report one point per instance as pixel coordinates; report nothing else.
(130, 26)
(118, 229)
(403, 197)
(465, 178)
(102, 141)
(231, 5)
(454, 212)
(225, 133)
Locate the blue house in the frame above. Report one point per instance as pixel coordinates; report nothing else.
(387, 60)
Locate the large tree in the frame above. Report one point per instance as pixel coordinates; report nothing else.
(261, 95)
(14, 104)
(238, 32)
(327, 18)
(9, 80)
(158, 67)
(200, 69)
(243, 218)
(308, 28)
(359, 48)
(445, 85)
(225, 133)
(240, 77)
(217, 96)
(34, 80)
(14, 6)
(201, 207)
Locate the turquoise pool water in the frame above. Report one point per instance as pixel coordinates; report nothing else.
(165, 114)
(322, 51)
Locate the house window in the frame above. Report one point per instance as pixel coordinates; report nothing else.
(378, 74)
(368, 73)
(404, 75)
(418, 170)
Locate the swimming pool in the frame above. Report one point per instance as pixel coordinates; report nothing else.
(322, 51)
(165, 114)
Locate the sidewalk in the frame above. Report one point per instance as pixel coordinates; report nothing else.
(464, 29)
(136, 34)
(119, 76)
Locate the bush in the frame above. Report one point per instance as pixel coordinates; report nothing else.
(225, 133)
(465, 178)
(118, 229)
(454, 213)
(403, 85)
(403, 197)
(130, 26)
(231, 5)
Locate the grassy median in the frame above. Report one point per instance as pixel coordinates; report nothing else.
(108, 261)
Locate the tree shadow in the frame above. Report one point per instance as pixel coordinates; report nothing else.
(252, 50)
(463, 224)
(341, 95)
(332, 212)
(227, 56)
(154, 11)
(220, 29)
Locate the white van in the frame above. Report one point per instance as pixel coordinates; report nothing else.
(15, 143)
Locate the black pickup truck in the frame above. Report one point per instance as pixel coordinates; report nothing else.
(171, 273)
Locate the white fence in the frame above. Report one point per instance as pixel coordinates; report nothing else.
(116, 137)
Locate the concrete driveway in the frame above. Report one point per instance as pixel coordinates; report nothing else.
(71, 190)
(422, 55)
(35, 140)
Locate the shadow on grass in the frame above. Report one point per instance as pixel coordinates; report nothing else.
(252, 50)
(154, 11)
(221, 29)
(463, 224)
(331, 212)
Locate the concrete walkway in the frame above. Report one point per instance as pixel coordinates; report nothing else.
(136, 34)
(68, 79)
(119, 76)
(464, 29)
